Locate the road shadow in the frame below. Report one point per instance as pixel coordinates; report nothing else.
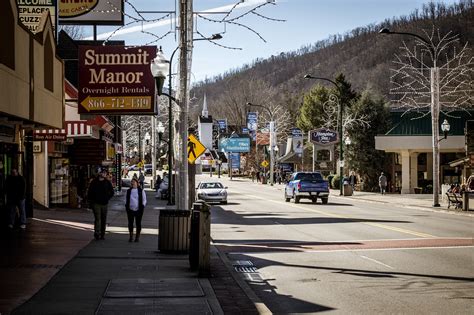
(230, 217)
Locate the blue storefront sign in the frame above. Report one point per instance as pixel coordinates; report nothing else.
(252, 118)
(235, 160)
(234, 144)
(245, 130)
(296, 132)
(222, 125)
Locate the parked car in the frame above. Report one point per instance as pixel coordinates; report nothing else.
(133, 167)
(148, 169)
(211, 192)
(310, 185)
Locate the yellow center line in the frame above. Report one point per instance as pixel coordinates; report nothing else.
(333, 215)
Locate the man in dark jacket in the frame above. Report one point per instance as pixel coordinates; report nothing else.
(100, 192)
(15, 186)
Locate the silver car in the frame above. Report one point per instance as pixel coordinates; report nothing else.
(211, 192)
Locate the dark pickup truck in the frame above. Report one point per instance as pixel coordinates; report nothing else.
(310, 185)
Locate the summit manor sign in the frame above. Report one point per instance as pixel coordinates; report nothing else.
(116, 80)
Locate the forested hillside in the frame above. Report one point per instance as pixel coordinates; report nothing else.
(362, 55)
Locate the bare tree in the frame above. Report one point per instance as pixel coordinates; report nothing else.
(350, 119)
(436, 74)
(76, 32)
(412, 76)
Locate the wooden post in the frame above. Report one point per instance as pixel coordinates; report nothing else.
(204, 240)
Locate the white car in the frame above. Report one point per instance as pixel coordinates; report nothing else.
(211, 192)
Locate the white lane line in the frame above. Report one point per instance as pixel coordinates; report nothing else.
(376, 261)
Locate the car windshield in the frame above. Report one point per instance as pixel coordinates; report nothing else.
(308, 176)
(211, 185)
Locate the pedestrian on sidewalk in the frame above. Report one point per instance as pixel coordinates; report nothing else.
(16, 190)
(141, 179)
(135, 203)
(353, 181)
(382, 183)
(99, 194)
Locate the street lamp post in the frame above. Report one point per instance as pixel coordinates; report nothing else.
(159, 68)
(434, 91)
(340, 111)
(272, 138)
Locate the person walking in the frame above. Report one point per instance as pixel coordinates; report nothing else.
(15, 186)
(135, 203)
(158, 181)
(99, 194)
(353, 181)
(141, 179)
(382, 183)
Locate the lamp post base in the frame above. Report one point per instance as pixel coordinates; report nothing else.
(436, 205)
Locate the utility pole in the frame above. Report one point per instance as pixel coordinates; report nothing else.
(185, 22)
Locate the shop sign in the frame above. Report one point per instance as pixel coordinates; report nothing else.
(30, 13)
(49, 135)
(110, 151)
(90, 12)
(297, 135)
(234, 144)
(116, 80)
(235, 160)
(37, 147)
(323, 136)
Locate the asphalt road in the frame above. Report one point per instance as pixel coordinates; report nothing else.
(348, 256)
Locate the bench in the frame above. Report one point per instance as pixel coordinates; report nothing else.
(454, 200)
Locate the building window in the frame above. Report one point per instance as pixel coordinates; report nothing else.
(48, 64)
(7, 35)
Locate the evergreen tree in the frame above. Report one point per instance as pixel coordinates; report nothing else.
(311, 111)
(361, 155)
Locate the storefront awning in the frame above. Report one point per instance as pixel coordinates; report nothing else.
(291, 157)
(80, 129)
(459, 162)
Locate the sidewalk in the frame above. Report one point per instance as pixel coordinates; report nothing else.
(55, 266)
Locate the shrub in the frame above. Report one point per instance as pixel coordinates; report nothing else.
(335, 182)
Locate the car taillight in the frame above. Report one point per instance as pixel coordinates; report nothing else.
(299, 186)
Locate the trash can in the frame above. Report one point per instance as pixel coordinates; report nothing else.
(347, 189)
(174, 226)
(200, 238)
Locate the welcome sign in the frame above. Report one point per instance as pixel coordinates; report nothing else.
(90, 12)
(116, 80)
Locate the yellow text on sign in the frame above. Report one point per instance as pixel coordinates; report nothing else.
(195, 149)
(264, 163)
(116, 103)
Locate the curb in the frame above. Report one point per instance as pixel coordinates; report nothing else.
(259, 305)
(416, 207)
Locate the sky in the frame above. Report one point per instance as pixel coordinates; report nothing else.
(306, 22)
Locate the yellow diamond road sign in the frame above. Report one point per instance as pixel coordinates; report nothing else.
(195, 148)
(264, 163)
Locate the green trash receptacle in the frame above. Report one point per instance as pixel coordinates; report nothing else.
(174, 227)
